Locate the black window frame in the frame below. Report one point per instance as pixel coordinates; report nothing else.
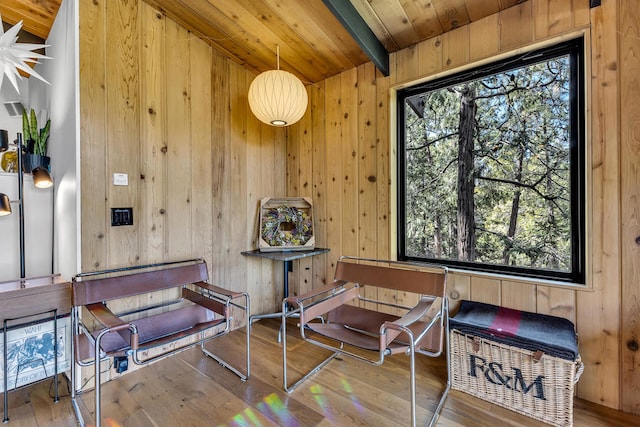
(578, 180)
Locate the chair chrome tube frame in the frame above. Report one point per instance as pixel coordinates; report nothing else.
(412, 381)
(78, 328)
(441, 318)
(221, 361)
(289, 388)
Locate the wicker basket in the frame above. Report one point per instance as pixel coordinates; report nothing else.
(530, 383)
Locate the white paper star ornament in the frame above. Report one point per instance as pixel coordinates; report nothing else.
(16, 56)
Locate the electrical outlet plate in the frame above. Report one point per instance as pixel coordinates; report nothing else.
(121, 363)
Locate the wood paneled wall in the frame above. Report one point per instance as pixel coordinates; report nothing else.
(629, 101)
(158, 104)
(162, 106)
(342, 152)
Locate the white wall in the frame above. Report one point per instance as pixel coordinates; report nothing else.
(38, 214)
(38, 221)
(12, 124)
(60, 100)
(64, 109)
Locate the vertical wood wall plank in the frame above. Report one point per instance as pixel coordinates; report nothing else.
(267, 176)
(429, 56)
(597, 316)
(179, 143)
(346, 156)
(238, 221)
(93, 131)
(484, 38)
(349, 159)
(486, 290)
(552, 17)
(304, 144)
(458, 289)
(221, 160)
(516, 27)
(334, 174)
(123, 130)
(366, 178)
(519, 296)
(383, 166)
(406, 61)
(581, 13)
(257, 159)
(384, 179)
(152, 199)
(556, 302)
(200, 100)
(629, 60)
(153, 158)
(293, 159)
(455, 47)
(321, 272)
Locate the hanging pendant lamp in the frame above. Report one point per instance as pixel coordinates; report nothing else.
(277, 97)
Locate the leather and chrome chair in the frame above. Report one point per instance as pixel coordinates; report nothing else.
(371, 330)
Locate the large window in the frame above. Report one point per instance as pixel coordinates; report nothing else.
(491, 167)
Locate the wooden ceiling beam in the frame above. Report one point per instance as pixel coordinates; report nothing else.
(361, 33)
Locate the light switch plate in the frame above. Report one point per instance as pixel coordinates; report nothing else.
(120, 179)
(121, 216)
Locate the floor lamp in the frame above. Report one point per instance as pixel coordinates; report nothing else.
(41, 179)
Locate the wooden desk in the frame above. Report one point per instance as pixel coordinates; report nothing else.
(34, 295)
(34, 299)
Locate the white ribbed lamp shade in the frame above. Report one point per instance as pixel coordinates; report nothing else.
(277, 98)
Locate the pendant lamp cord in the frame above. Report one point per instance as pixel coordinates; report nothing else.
(278, 55)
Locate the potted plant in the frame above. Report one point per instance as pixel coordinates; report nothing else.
(36, 140)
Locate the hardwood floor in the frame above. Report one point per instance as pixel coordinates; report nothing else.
(190, 389)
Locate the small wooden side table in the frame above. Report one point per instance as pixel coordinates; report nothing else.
(33, 300)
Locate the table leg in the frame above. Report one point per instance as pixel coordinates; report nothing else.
(6, 373)
(288, 266)
(55, 354)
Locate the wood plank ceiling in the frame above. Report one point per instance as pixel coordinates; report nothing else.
(37, 15)
(313, 44)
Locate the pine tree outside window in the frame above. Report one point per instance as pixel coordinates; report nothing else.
(491, 167)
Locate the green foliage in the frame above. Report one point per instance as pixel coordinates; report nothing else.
(31, 132)
(521, 169)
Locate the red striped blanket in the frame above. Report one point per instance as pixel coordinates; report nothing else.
(552, 335)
